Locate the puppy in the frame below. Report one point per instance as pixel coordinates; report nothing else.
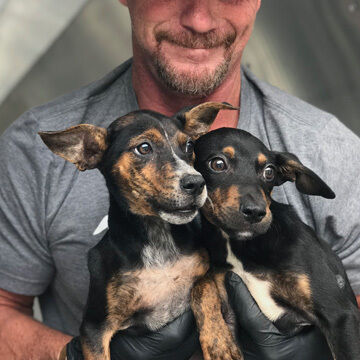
(143, 269)
(293, 275)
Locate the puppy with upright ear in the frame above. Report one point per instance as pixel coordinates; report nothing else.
(146, 159)
(307, 182)
(83, 145)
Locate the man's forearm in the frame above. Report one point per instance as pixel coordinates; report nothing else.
(22, 337)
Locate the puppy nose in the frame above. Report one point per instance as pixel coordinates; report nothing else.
(192, 184)
(253, 213)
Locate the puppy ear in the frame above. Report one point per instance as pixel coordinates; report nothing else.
(306, 181)
(82, 145)
(198, 119)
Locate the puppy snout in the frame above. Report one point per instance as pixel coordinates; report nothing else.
(192, 184)
(253, 213)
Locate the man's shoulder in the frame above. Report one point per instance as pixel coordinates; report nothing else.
(85, 104)
(291, 107)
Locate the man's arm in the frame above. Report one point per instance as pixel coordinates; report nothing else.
(23, 337)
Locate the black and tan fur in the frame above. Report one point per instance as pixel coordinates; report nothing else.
(292, 274)
(142, 271)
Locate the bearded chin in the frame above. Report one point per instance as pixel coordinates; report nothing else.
(195, 83)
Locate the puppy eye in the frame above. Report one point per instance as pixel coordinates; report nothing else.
(143, 149)
(269, 173)
(189, 149)
(217, 164)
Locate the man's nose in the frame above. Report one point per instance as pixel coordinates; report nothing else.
(192, 184)
(197, 16)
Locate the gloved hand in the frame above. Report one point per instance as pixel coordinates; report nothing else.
(261, 340)
(177, 340)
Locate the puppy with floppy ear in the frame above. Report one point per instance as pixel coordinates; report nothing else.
(291, 273)
(306, 181)
(143, 269)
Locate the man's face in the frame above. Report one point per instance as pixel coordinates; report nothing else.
(191, 45)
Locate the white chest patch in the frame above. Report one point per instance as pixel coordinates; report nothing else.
(259, 289)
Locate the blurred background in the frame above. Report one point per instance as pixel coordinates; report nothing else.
(309, 48)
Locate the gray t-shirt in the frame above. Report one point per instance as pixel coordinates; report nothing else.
(51, 214)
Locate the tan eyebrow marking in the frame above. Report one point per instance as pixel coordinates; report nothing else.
(152, 134)
(181, 138)
(262, 159)
(229, 151)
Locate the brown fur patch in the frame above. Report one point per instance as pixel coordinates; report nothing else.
(267, 200)
(152, 134)
(181, 139)
(216, 339)
(139, 183)
(304, 286)
(291, 287)
(219, 279)
(229, 151)
(262, 159)
(223, 202)
(233, 197)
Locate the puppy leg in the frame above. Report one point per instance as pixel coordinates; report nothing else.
(95, 340)
(342, 330)
(216, 340)
(96, 333)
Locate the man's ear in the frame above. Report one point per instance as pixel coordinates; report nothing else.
(291, 169)
(198, 119)
(82, 145)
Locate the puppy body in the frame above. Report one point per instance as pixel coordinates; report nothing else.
(143, 269)
(150, 280)
(293, 275)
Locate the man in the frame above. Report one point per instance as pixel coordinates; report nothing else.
(185, 52)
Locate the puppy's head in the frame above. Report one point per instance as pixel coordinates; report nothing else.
(240, 173)
(145, 157)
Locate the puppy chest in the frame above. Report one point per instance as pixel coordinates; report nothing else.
(161, 293)
(259, 289)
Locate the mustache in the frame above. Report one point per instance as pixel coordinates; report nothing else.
(208, 40)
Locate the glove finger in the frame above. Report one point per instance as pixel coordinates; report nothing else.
(179, 333)
(247, 312)
(311, 344)
(261, 340)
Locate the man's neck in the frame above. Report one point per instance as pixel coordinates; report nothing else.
(153, 95)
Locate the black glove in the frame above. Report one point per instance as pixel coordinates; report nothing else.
(177, 340)
(261, 340)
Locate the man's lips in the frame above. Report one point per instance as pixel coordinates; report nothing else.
(198, 54)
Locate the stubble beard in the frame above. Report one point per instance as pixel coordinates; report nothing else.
(194, 83)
